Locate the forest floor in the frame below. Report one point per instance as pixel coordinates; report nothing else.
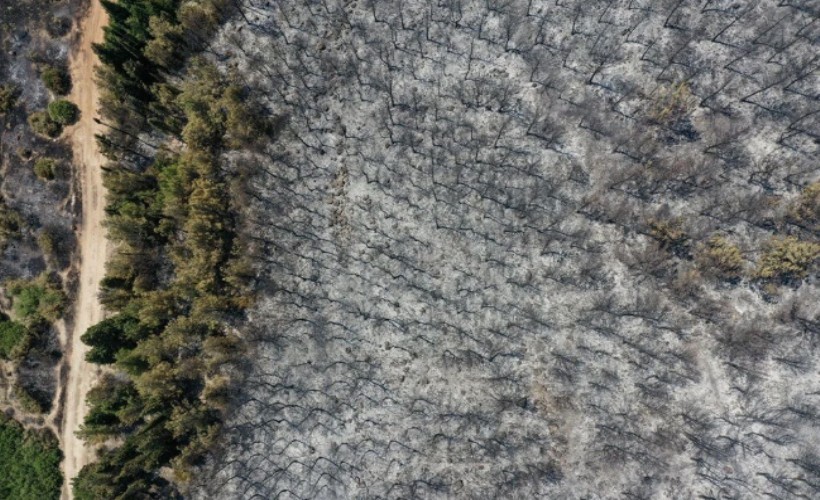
(92, 240)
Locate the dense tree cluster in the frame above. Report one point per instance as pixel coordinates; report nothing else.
(174, 285)
(30, 461)
(145, 42)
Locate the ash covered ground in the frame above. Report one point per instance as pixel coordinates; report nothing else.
(479, 242)
(37, 216)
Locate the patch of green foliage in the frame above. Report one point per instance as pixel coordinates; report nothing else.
(170, 336)
(42, 124)
(175, 282)
(144, 42)
(127, 76)
(112, 403)
(56, 79)
(110, 336)
(37, 300)
(63, 112)
(126, 472)
(14, 339)
(45, 168)
(30, 463)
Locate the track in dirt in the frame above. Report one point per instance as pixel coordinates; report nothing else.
(92, 240)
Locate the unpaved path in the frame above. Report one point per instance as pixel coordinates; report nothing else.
(93, 244)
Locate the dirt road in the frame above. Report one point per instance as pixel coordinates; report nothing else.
(93, 244)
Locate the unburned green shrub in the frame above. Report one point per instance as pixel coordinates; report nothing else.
(56, 79)
(37, 299)
(45, 168)
(14, 340)
(42, 124)
(29, 461)
(63, 112)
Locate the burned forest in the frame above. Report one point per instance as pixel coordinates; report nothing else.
(528, 249)
(418, 249)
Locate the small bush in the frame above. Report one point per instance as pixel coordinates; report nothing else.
(14, 340)
(45, 168)
(63, 112)
(8, 97)
(721, 258)
(37, 299)
(787, 259)
(42, 124)
(27, 301)
(56, 79)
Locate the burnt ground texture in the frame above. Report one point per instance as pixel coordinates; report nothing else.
(479, 242)
(34, 35)
(37, 215)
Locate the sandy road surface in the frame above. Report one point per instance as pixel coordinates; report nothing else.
(93, 244)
